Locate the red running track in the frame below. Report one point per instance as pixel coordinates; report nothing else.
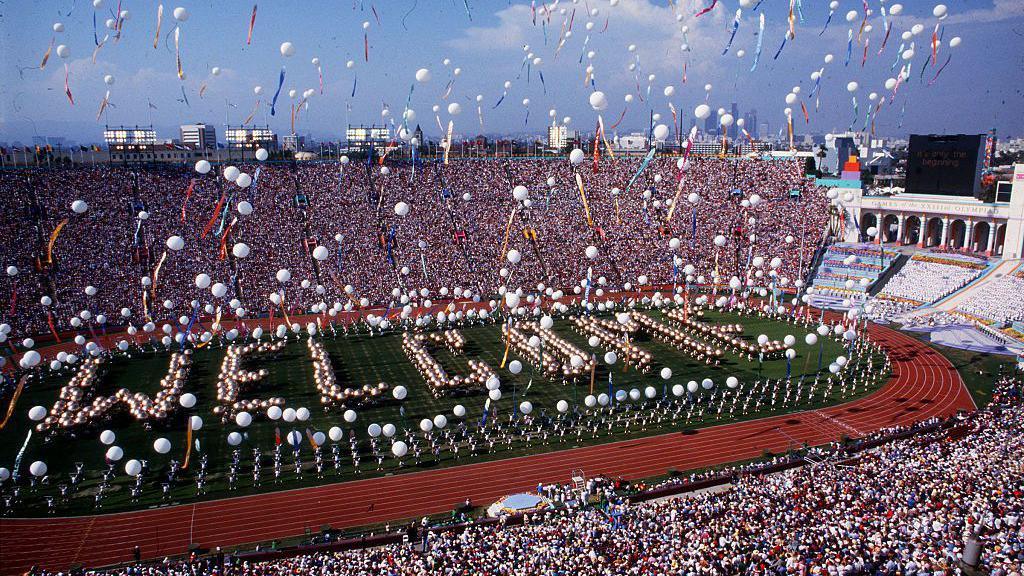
(923, 384)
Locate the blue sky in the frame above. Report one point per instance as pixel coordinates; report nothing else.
(979, 89)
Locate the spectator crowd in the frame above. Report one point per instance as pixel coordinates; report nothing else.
(108, 260)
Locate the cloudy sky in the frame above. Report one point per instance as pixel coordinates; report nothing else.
(978, 90)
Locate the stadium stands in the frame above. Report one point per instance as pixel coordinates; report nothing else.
(848, 271)
(1002, 302)
(927, 278)
(451, 239)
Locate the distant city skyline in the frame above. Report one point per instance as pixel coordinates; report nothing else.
(974, 93)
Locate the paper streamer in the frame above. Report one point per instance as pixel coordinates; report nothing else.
(708, 9)
(177, 52)
(735, 27)
(643, 166)
(583, 197)
(251, 114)
(941, 68)
(156, 272)
(280, 83)
(46, 56)
(849, 46)
(252, 24)
(213, 219)
(103, 105)
(14, 400)
(827, 21)
(781, 46)
(67, 87)
(159, 23)
(760, 41)
(188, 194)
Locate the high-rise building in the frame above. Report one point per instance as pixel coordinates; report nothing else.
(198, 136)
(711, 125)
(750, 120)
(734, 129)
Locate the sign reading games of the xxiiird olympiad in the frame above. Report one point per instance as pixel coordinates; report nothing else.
(559, 287)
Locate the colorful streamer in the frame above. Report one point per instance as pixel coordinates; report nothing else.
(252, 24)
(159, 22)
(941, 68)
(760, 41)
(735, 27)
(177, 52)
(252, 114)
(280, 83)
(827, 21)
(67, 87)
(849, 46)
(708, 9)
(46, 56)
(213, 219)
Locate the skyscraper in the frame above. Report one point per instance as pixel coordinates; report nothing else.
(734, 129)
(750, 120)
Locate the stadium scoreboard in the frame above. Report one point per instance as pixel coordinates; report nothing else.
(949, 165)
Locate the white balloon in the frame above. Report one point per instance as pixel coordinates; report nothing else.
(180, 14)
(243, 419)
(399, 448)
(187, 400)
(133, 467)
(114, 453)
(107, 437)
(162, 445)
(287, 49)
(175, 243)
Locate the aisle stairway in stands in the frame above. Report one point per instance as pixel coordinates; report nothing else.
(862, 264)
(893, 270)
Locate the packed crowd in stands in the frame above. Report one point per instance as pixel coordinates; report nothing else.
(452, 237)
(923, 280)
(1001, 301)
(908, 506)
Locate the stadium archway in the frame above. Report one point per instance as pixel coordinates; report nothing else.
(890, 228)
(997, 248)
(957, 234)
(982, 230)
(912, 230)
(933, 232)
(868, 221)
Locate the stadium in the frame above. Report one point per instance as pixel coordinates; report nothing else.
(692, 349)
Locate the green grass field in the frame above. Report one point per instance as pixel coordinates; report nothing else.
(357, 360)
